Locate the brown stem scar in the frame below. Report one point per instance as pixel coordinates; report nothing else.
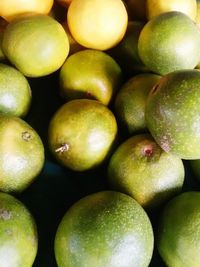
(148, 151)
(62, 148)
(26, 136)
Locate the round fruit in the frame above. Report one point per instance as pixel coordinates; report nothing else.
(22, 154)
(172, 113)
(169, 42)
(141, 169)
(130, 101)
(107, 229)
(81, 134)
(36, 45)
(97, 24)
(90, 74)
(178, 238)
(18, 233)
(10, 9)
(156, 7)
(198, 14)
(15, 93)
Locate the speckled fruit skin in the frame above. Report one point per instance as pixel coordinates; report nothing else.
(178, 236)
(172, 113)
(131, 99)
(90, 74)
(82, 133)
(22, 154)
(18, 233)
(141, 169)
(36, 58)
(108, 229)
(15, 92)
(169, 42)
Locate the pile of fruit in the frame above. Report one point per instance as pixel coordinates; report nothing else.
(99, 133)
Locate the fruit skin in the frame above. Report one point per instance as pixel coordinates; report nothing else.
(97, 24)
(131, 99)
(178, 238)
(107, 229)
(22, 154)
(169, 42)
(156, 7)
(90, 74)
(15, 92)
(172, 113)
(82, 133)
(11, 9)
(35, 59)
(18, 233)
(141, 169)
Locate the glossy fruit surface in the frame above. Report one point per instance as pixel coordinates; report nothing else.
(15, 92)
(141, 169)
(169, 42)
(172, 113)
(18, 233)
(36, 58)
(90, 74)
(22, 154)
(82, 133)
(178, 231)
(97, 24)
(107, 229)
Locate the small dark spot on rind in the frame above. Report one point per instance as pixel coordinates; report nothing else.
(26, 136)
(62, 148)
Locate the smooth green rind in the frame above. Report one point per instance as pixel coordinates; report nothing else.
(22, 154)
(107, 229)
(130, 102)
(90, 74)
(82, 133)
(15, 92)
(37, 45)
(18, 234)
(178, 236)
(172, 113)
(169, 42)
(141, 169)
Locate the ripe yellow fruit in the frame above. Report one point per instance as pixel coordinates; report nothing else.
(97, 24)
(10, 9)
(156, 7)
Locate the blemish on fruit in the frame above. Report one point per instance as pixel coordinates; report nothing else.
(148, 150)
(62, 148)
(154, 89)
(26, 136)
(5, 215)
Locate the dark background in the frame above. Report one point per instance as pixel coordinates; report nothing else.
(57, 188)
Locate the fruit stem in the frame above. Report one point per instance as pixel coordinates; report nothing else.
(26, 136)
(62, 148)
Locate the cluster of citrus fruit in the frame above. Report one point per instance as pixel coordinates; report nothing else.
(129, 80)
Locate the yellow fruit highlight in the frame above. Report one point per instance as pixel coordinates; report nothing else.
(11, 9)
(97, 24)
(156, 7)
